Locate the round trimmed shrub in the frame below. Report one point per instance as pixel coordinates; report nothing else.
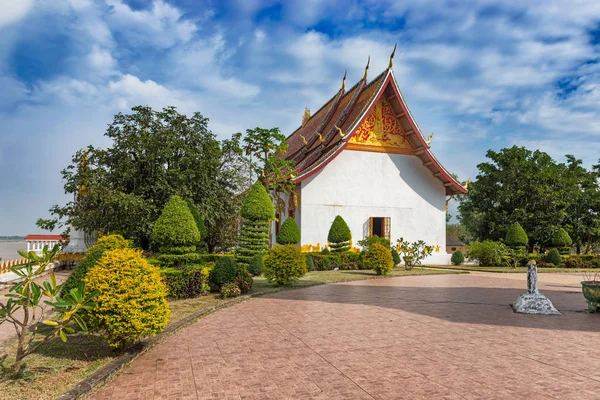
(516, 236)
(92, 257)
(132, 303)
(289, 232)
(562, 241)
(257, 204)
(284, 264)
(175, 228)
(256, 264)
(339, 235)
(224, 272)
(378, 258)
(554, 257)
(457, 258)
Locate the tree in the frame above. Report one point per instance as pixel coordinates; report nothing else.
(257, 214)
(516, 236)
(153, 155)
(289, 232)
(516, 185)
(264, 147)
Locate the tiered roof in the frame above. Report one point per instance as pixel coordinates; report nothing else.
(319, 140)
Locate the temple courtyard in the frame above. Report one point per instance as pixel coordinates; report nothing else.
(421, 337)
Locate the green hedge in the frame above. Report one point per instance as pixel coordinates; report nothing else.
(186, 282)
(328, 262)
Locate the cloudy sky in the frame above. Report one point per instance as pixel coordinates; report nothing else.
(480, 74)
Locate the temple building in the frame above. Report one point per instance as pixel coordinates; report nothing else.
(363, 156)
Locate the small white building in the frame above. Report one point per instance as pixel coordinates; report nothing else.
(363, 156)
(37, 242)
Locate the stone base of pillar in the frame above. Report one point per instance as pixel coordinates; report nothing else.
(534, 303)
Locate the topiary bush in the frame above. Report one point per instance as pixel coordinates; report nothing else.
(310, 264)
(175, 231)
(378, 258)
(256, 265)
(553, 257)
(284, 264)
(562, 241)
(457, 258)
(187, 282)
(289, 232)
(223, 272)
(132, 302)
(257, 214)
(92, 257)
(516, 236)
(396, 257)
(339, 235)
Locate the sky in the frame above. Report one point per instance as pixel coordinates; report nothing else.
(479, 74)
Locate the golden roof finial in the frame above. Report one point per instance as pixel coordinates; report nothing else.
(303, 139)
(367, 68)
(344, 80)
(392, 56)
(466, 185)
(320, 137)
(429, 139)
(305, 116)
(340, 131)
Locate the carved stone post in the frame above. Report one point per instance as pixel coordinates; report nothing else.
(532, 301)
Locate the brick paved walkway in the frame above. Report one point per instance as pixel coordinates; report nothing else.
(429, 337)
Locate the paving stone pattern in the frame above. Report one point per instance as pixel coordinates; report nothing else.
(427, 337)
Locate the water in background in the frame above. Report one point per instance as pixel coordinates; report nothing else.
(8, 250)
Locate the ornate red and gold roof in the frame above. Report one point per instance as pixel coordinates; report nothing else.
(370, 116)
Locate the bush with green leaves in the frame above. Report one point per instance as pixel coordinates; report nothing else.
(186, 282)
(413, 253)
(339, 235)
(457, 258)
(378, 258)
(132, 299)
(562, 241)
(289, 232)
(284, 264)
(553, 257)
(230, 290)
(310, 264)
(175, 231)
(243, 280)
(256, 264)
(257, 214)
(487, 252)
(92, 257)
(223, 272)
(370, 240)
(516, 236)
(396, 257)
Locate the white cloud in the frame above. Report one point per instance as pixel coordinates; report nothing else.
(13, 11)
(101, 60)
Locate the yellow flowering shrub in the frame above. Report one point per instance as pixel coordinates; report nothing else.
(132, 303)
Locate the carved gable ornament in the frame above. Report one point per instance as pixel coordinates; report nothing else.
(380, 132)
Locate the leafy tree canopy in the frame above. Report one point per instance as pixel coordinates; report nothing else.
(153, 155)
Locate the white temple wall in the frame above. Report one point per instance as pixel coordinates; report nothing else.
(358, 185)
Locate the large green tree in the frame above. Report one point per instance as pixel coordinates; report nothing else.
(153, 155)
(517, 185)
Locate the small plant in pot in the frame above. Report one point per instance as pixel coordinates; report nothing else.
(590, 287)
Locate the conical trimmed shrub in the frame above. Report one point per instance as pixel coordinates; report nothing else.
(562, 241)
(516, 236)
(289, 232)
(257, 214)
(175, 231)
(339, 235)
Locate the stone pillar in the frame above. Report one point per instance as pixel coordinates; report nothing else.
(532, 301)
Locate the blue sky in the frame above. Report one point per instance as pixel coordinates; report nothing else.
(480, 74)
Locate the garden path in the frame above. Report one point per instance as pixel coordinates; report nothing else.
(422, 337)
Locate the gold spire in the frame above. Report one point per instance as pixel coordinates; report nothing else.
(303, 139)
(320, 137)
(340, 131)
(344, 80)
(429, 139)
(392, 56)
(305, 116)
(83, 190)
(466, 185)
(367, 69)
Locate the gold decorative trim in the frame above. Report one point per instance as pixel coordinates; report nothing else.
(379, 149)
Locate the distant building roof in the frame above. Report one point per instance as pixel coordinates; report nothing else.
(43, 237)
(453, 241)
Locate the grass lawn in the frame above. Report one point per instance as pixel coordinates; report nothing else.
(57, 366)
(512, 270)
